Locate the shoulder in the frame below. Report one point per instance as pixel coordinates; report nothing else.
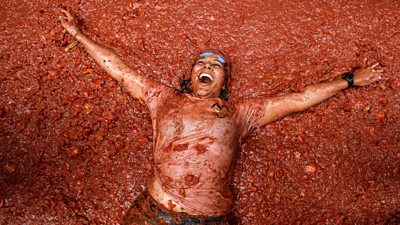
(156, 92)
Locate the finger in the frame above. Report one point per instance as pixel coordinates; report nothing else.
(377, 76)
(62, 19)
(69, 15)
(64, 11)
(378, 71)
(375, 65)
(375, 79)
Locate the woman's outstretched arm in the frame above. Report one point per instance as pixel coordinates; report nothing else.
(279, 107)
(108, 60)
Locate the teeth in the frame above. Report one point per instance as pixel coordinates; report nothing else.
(206, 75)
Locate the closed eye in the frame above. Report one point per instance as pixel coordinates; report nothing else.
(217, 65)
(200, 62)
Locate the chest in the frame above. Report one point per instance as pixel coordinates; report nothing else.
(185, 116)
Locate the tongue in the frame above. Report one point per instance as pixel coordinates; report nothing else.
(205, 80)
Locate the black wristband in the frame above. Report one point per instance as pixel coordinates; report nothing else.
(349, 77)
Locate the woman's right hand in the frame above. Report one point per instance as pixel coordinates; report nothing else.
(70, 23)
(366, 76)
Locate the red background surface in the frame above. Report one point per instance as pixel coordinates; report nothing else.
(76, 149)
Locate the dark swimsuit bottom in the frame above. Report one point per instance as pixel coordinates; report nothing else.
(145, 210)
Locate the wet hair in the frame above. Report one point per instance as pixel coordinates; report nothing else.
(186, 79)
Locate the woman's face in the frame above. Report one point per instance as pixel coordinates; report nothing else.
(208, 77)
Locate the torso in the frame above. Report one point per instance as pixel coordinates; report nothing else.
(195, 144)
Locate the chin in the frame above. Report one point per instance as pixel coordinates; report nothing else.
(206, 95)
(203, 95)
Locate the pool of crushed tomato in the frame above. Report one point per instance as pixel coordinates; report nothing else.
(75, 148)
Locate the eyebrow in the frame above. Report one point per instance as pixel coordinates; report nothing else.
(214, 60)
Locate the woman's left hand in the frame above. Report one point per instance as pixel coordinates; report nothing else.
(366, 76)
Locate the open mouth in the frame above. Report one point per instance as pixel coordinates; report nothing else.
(205, 78)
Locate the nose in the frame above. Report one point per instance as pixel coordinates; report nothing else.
(207, 65)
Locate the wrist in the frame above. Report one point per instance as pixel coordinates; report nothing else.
(349, 77)
(78, 35)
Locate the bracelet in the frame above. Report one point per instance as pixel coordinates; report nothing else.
(349, 77)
